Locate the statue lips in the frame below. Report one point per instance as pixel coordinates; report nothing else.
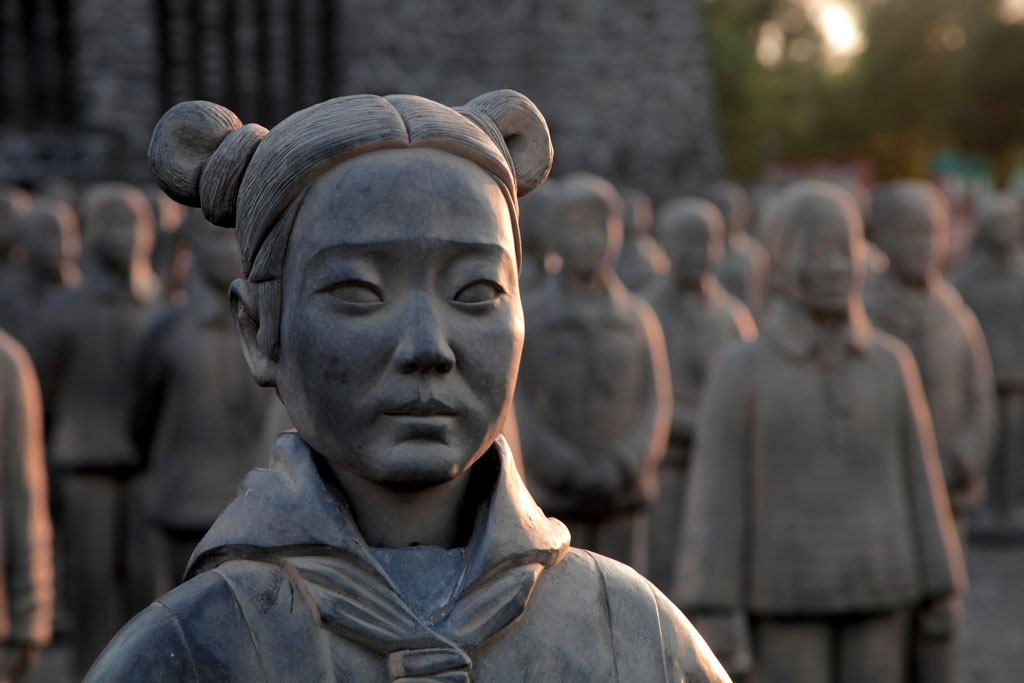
(424, 417)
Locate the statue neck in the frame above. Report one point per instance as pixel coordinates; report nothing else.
(391, 518)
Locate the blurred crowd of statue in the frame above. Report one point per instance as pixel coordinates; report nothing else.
(143, 418)
(788, 415)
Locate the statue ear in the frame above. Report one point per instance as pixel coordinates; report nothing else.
(525, 132)
(253, 332)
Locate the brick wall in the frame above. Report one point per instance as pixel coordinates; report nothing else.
(624, 85)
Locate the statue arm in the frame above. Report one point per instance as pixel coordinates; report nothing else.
(942, 561)
(644, 448)
(713, 557)
(149, 375)
(552, 462)
(28, 532)
(974, 447)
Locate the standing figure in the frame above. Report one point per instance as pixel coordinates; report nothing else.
(14, 203)
(51, 243)
(594, 399)
(915, 303)
(992, 285)
(391, 538)
(816, 506)
(699, 319)
(26, 554)
(197, 417)
(744, 267)
(90, 340)
(641, 260)
(170, 249)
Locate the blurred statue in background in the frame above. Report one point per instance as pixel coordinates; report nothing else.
(14, 203)
(170, 249)
(699, 319)
(50, 242)
(198, 415)
(536, 230)
(88, 344)
(744, 268)
(391, 538)
(992, 284)
(26, 555)
(594, 397)
(816, 503)
(915, 303)
(641, 259)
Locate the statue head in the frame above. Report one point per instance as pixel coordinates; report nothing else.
(639, 214)
(911, 224)
(117, 229)
(51, 240)
(14, 203)
(815, 239)
(534, 219)
(214, 251)
(693, 233)
(587, 219)
(379, 252)
(732, 200)
(1000, 223)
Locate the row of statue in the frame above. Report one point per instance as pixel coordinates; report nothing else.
(787, 434)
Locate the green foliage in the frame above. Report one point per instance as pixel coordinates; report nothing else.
(934, 74)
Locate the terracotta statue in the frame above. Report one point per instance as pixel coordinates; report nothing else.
(391, 539)
(535, 230)
(744, 266)
(50, 241)
(992, 284)
(26, 584)
(14, 203)
(641, 260)
(197, 416)
(170, 248)
(594, 398)
(915, 303)
(700, 319)
(89, 340)
(816, 506)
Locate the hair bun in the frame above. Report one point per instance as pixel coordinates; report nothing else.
(198, 154)
(525, 132)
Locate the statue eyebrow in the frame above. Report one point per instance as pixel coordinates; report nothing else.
(383, 251)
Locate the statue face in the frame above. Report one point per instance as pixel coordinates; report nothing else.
(114, 238)
(824, 268)
(216, 255)
(401, 324)
(915, 244)
(1005, 225)
(45, 245)
(692, 249)
(582, 237)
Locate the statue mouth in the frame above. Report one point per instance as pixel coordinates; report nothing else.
(422, 407)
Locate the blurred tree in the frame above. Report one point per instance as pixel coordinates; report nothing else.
(933, 74)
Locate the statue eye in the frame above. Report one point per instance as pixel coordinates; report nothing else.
(355, 292)
(479, 292)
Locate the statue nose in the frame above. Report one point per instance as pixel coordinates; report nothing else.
(424, 346)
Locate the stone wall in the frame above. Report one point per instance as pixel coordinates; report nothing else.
(625, 86)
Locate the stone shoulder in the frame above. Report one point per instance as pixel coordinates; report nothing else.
(650, 634)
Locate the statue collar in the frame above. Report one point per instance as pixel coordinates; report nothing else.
(293, 506)
(292, 516)
(796, 333)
